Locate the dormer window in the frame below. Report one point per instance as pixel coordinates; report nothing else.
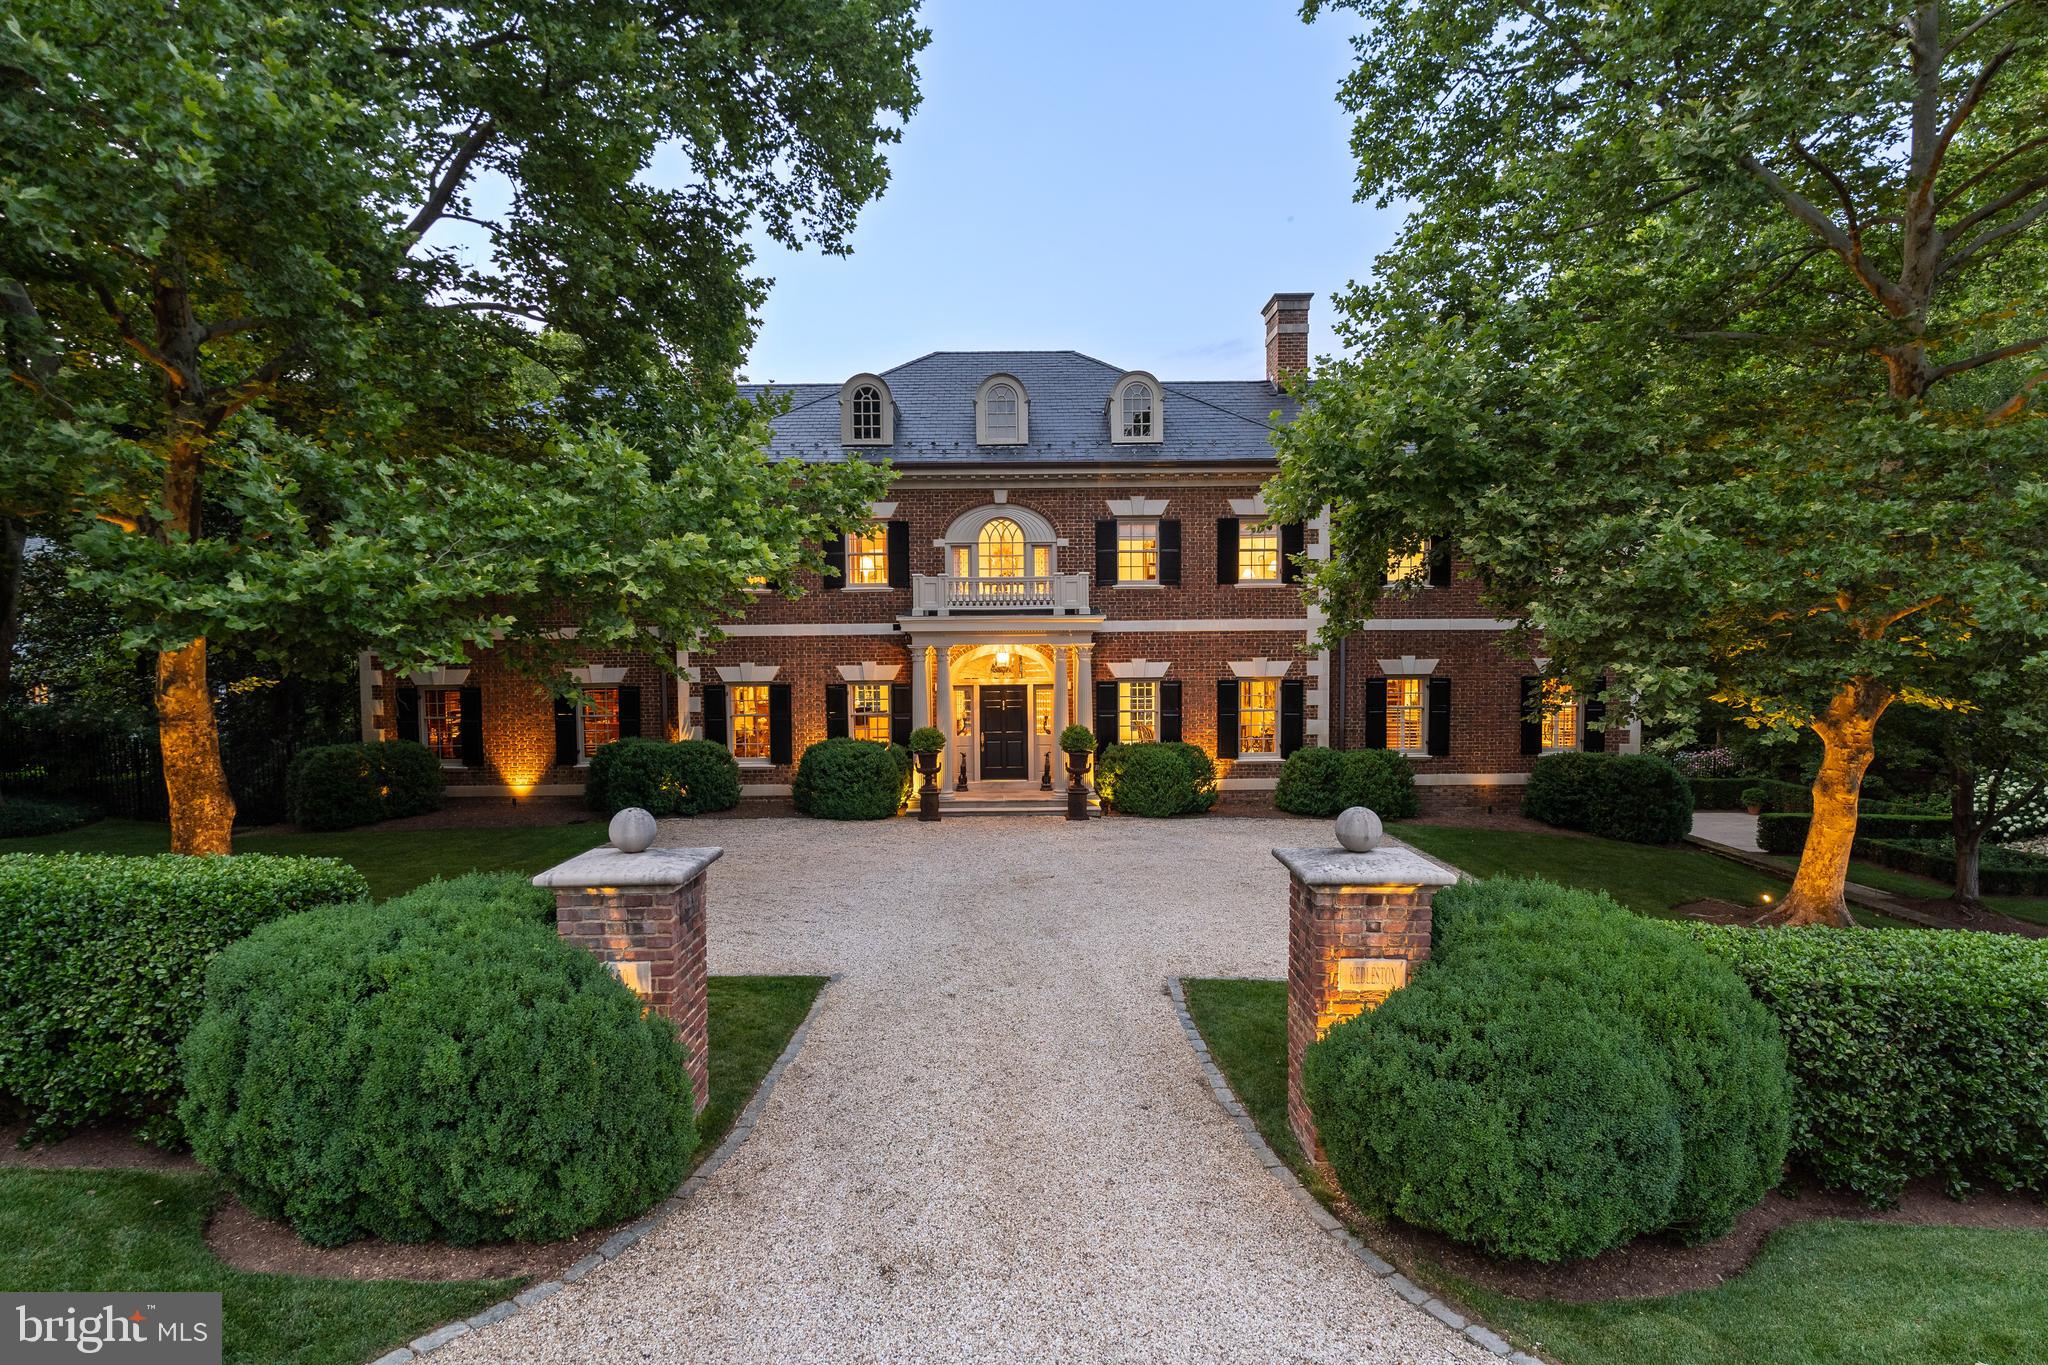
(1002, 412)
(867, 414)
(1135, 413)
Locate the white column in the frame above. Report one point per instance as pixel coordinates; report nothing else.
(945, 700)
(920, 702)
(1084, 682)
(1059, 715)
(683, 727)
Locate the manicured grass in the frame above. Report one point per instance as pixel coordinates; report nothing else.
(394, 860)
(1823, 1293)
(1916, 887)
(130, 1230)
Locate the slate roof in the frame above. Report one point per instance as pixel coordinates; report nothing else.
(1207, 421)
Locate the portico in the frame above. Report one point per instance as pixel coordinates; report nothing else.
(1001, 689)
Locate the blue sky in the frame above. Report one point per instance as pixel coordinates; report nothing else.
(1129, 180)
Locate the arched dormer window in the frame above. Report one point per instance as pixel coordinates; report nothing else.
(1002, 412)
(1136, 410)
(867, 414)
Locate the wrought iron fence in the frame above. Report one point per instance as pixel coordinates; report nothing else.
(122, 772)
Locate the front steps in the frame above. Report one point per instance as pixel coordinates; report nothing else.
(1006, 798)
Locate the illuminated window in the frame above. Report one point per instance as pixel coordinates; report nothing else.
(1002, 549)
(1137, 705)
(1560, 717)
(1041, 700)
(1258, 716)
(441, 721)
(867, 558)
(38, 694)
(1137, 552)
(1137, 411)
(757, 582)
(1258, 555)
(600, 718)
(867, 413)
(869, 712)
(1405, 715)
(1406, 566)
(750, 721)
(963, 711)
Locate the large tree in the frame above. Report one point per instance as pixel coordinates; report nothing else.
(1716, 340)
(249, 347)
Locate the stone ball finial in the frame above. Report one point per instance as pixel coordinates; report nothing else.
(632, 830)
(1359, 830)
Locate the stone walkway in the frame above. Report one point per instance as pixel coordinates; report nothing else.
(996, 1144)
(1734, 828)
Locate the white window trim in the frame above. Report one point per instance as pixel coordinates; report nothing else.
(1266, 673)
(981, 431)
(869, 671)
(1116, 410)
(1420, 677)
(847, 553)
(766, 674)
(582, 747)
(1279, 577)
(1155, 581)
(1138, 670)
(461, 674)
(846, 392)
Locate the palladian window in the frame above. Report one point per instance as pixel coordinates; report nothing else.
(1002, 549)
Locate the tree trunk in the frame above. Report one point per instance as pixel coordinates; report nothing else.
(13, 548)
(1966, 832)
(1846, 731)
(202, 810)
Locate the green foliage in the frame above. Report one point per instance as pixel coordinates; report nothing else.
(2001, 871)
(1639, 798)
(927, 739)
(340, 786)
(101, 960)
(1562, 1076)
(441, 1066)
(852, 779)
(1785, 831)
(688, 777)
(1315, 781)
(1156, 779)
(1077, 739)
(23, 816)
(1913, 1052)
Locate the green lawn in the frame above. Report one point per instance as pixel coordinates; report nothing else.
(1823, 1293)
(1916, 887)
(127, 1230)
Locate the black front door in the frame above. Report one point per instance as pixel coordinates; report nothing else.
(1004, 739)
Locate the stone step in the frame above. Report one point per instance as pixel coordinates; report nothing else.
(948, 809)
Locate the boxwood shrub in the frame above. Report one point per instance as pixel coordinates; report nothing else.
(101, 963)
(441, 1066)
(1327, 782)
(688, 777)
(22, 816)
(1561, 1077)
(1156, 780)
(1914, 1052)
(340, 786)
(2000, 871)
(852, 779)
(1731, 793)
(1785, 831)
(1640, 798)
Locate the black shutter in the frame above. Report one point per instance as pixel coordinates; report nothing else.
(1169, 711)
(1169, 553)
(1105, 554)
(1375, 713)
(1293, 714)
(565, 733)
(1439, 717)
(781, 738)
(1532, 719)
(1596, 727)
(407, 717)
(899, 554)
(835, 562)
(1226, 717)
(715, 727)
(1108, 723)
(835, 711)
(1439, 563)
(1226, 549)
(1291, 546)
(629, 712)
(472, 733)
(899, 714)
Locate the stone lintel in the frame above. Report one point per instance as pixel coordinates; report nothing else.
(1336, 867)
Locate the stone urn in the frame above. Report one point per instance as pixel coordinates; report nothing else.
(928, 795)
(1077, 786)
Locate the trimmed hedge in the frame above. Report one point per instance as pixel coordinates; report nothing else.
(2000, 871)
(340, 786)
(101, 964)
(24, 816)
(1785, 831)
(852, 779)
(1914, 1052)
(688, 777)
(1328, 782)
(1560, 1078)
(1639, 798)
(1155, 780)
(439, 1066)
(1724, 793)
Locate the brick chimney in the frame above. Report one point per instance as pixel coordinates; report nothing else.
(1286, 335)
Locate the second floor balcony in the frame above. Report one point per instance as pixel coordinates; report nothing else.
(1058, 594)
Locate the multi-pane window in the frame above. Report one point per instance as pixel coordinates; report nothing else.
(1137, 705)
(600, 718)
(750, 720)
(963, 711)
(1002, 549)
(1258, 716)
(1137, 411)
(999, 413)
(1137, 551)
(1258, 554)
(868, 708)
(1405, 566)
(1560, 716)
(1405, 715)
(867, 413)
(441, 722)
(867, 558)
(1041, 702)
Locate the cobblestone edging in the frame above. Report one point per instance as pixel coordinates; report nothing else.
(625, 1237)
(1473, 1330)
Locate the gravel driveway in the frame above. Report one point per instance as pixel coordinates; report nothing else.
(995, 1144)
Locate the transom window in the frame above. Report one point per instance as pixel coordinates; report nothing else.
(1002, 549)
(441, 721)
(1258, 554)
(600, 718)
(1137, 551)
(868, 709)
(999, 413)
(867, 413)
(1137, 705)
(1136, 411)
(1258, 716)
(867, 558)
(1405, 715)
(1560, 716)
(750, 720)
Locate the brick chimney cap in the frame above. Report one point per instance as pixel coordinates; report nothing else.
(1292, 303)
(1384, 866)
(607, 866)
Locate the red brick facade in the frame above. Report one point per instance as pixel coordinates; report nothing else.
(656, 934)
